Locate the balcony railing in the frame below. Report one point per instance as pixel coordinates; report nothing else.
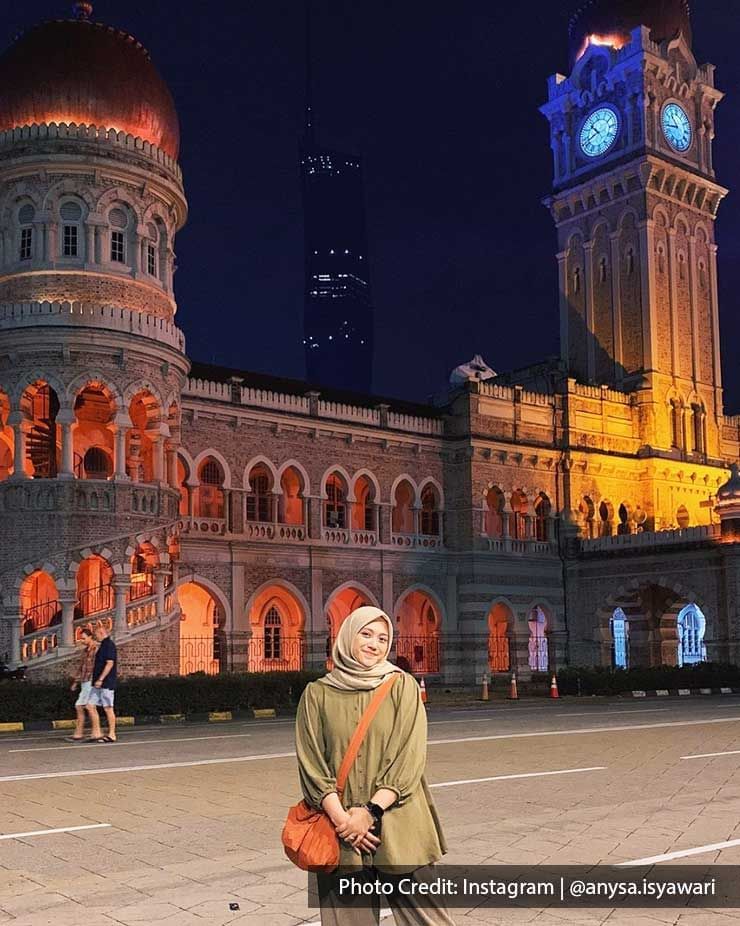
(417, 541)
(510, 545)
(698, 534)
(141, 588)
(93, 600)
(42, 615)
(421, 655)
(220, 652)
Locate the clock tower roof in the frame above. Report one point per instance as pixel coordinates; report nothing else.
(616, 18)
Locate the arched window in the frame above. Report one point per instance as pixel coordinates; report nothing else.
(681, 266)
(119, 222)
(259, 499)
(429, 511)
(403, 508)
(519, 506)
(94, 586)
(143, 563)
(291, 500)
(26, 215)
(273, 625)
(690, 627)
(620, 639)
(41, 406)
(697, 428)
(494, 525)
(683, 519)
(542, 508)
(500, 619)
(602, 270)
(70, 213)
(606, 516)
(630, 261)
(363, 512)
(152, 245)
(210, 490)
(335, 504)
(577, 280)
(624, 519)
(587, 512)
(39, 602)
(97, 464)
(676, 429)
(538, 657)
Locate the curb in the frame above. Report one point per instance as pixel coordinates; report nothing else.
(29, 726)
(683, 692)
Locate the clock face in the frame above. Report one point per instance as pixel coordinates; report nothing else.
(676, 127)
(599, 131)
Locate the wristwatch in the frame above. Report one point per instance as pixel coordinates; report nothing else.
(375, 810)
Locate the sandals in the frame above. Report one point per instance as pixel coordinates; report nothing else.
(74, 739)
(101, 739)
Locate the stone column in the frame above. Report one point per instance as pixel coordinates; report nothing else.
(588, 257)
(89, 243)
(562, 258)
(314, 517)
(121, 424)
(68, 421)
(68, 600)
(13, 623)
(158, 456)
(190, 488)
(159, 589)
(384, 523)
(21, 426)
(121, 585)
(417, 520)
(227, 509)
(171, 458)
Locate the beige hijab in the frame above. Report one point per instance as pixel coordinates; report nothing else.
(348, 674)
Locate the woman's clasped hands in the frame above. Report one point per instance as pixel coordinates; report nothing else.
(354, 828)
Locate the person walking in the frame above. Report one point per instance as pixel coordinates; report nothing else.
(386, 819)
(103, 690)
(83, 679)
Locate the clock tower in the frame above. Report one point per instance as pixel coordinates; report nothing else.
(634, 202)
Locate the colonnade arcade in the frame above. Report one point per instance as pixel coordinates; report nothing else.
(88, 430)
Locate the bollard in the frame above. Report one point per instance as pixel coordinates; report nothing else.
(484, 693)
(513, 694)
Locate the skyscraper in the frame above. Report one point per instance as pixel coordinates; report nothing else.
(338, 311)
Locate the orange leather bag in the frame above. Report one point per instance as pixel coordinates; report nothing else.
(309, 837)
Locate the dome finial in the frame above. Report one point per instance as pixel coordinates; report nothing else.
(82, 10)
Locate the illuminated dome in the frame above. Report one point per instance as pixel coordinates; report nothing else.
(87, 73)
(731, 488)
(617, 18)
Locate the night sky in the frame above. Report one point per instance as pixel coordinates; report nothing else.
(441, 100)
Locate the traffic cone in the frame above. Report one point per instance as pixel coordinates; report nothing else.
(423, 691)
(513, 693)
(484, 693)
(554, 688)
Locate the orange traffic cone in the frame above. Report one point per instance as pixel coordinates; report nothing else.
(554, 688)
(423, 692)
(513, 693)
(484, 693)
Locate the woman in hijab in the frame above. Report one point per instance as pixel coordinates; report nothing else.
(386, 791)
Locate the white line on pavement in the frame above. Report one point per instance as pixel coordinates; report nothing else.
(682, 853)
(383, 914)
(287, 755)
(474, 781)
(147, 742)
(711, 755)
(652, 710)
(63, 829)
(614, 729)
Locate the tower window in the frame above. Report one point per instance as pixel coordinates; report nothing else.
(70, 241)
(577, 280)
(117, 247)
(26, 247)
(151, 260)
(675, 424)
(630, 261)
(697, 428)
(602, 270)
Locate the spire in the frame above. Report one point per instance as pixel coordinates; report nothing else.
(309, 133)
(82, 10)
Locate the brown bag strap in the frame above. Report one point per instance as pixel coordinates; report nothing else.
(362, 727)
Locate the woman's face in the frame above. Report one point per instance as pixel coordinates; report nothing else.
(370, 645)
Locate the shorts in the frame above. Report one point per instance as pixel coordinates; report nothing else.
(84, 696)
(101, 697)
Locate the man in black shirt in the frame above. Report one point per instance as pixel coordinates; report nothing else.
(103, 689)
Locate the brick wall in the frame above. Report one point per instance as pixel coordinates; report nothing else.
(87, 287)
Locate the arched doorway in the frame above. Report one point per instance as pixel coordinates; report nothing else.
(94, 586)
(291, 500)
(40, 603)
(494, 513)
(500, 620)
(340, 605)
(93, 439)
(202, 637)
(146, 417)
(277, 621)
(419, 626)
(40, 405)
(690, 627)
(538, 655)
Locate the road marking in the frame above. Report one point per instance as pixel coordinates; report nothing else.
(383, 915)
(651, 710)
(287, 755)
(471, 720)
(682, 853)
(148, 742)
(145, 768)
(63, 829)
(711, 755)
(585, 730)
(561, 771)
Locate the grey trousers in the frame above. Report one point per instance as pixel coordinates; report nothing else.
(365, 911)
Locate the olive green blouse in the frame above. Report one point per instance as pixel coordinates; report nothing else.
(392, 755)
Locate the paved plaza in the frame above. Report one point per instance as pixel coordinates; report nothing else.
(182, 822)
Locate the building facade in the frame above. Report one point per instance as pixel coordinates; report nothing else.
(222, 520)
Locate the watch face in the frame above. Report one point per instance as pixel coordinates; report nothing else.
(599, 131)
(676, 127)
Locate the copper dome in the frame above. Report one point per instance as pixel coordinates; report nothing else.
(666, 18)
(74, 70)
